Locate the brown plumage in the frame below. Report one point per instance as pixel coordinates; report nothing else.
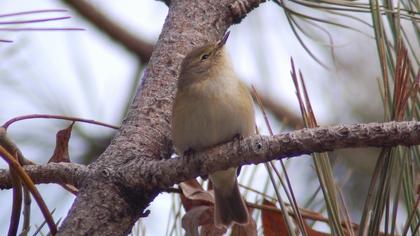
(212, 106)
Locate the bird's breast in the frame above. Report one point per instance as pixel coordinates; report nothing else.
(211, 112)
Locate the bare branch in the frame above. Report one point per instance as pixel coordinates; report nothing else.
(252, 150)
(59, 117)
(68, 173)
(259, 149)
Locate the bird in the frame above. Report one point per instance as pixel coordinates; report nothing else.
(212, 106)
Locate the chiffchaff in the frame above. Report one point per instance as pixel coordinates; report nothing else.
(213, 106)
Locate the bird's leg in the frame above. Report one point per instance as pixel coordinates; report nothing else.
(189, 152)
(238, 137)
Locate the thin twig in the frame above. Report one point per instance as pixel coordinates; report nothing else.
(59, 117)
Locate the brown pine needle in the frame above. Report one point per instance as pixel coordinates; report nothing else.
(31, 187)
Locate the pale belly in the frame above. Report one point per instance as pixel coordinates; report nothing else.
(205, 120)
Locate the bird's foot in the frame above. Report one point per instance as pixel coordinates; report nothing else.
(238, 137)
(189, 152)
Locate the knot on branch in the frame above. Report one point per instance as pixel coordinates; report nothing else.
(106, 172)
(259, 146)
(240, 8)
(343, 131)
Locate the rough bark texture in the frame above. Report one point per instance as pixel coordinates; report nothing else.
(259, 149)
(116, 189)
(105, 206)
(161, 174)
(69, 173)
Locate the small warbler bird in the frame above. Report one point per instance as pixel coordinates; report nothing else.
(213, 106)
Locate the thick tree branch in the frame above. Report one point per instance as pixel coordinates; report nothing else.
(59, 173)
(259, 149)
(116, 189)
(104, 205)
(252, 150)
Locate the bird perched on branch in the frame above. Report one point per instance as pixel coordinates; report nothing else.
(213, 106)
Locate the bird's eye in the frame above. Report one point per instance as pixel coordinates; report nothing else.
(204, 56)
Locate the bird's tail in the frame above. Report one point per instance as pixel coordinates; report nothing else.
(229, 204)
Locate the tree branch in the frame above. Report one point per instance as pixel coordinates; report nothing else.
(259, 149)
(116, 189)
(162, 174)
(59, 173)
(104, 206)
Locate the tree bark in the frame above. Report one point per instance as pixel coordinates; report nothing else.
(105, 205)
(66, 173)
(117, 188)
(161, 174)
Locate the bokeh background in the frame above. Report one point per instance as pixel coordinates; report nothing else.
(89, 75)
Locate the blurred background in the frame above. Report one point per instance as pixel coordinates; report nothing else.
(88, 74)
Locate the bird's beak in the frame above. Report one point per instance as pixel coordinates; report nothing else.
(222, 42)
